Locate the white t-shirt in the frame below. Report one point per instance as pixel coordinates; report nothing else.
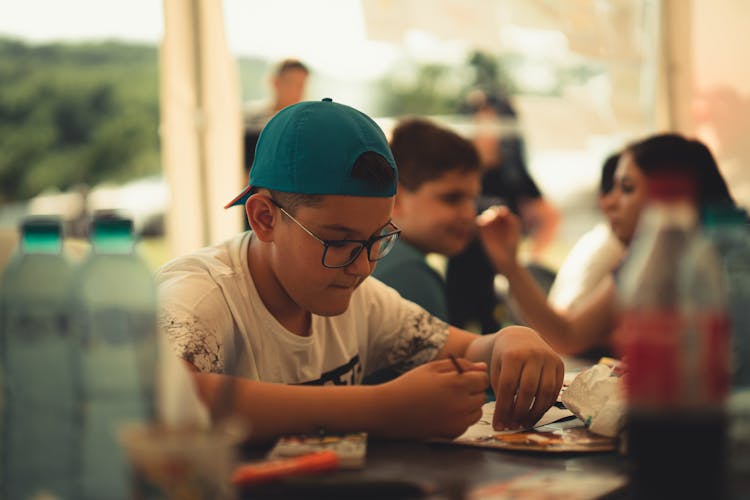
(592, 259)
(212, 313)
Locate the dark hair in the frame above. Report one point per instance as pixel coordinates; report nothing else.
(370, 167)
(424, 151)
(289, 65)
(673, 153)
(607, 181)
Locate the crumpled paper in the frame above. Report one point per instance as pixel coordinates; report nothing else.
(596, 397)
(483, 430)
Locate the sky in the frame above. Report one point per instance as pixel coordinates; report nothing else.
(47, 20)
(311, 31)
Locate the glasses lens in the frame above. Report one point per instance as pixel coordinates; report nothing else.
(341, 253)
(382, 246)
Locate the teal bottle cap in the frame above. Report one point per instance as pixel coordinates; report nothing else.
(724, 215)
(112, 233)
(41, 234)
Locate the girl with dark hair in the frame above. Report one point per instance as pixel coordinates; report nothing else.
(589, 326)
(659, 156)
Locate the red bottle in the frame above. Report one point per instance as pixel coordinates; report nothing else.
(674, 340)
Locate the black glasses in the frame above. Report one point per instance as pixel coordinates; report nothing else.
(341, 253)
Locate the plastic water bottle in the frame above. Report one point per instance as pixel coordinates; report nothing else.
(41, 369)
(116, 304)
(674, 341)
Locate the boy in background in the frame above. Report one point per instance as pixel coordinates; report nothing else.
(288, 85)
(286, 312)
(439, 182)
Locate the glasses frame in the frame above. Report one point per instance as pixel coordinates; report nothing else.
(328, 243)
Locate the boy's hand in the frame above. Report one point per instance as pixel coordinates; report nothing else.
(434, 400)
(500, 232)
(526, 376)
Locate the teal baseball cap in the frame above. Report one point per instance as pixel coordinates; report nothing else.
(310, 148)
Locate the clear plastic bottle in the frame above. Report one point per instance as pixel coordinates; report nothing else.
(116, 302)
(41, 368)
(674, 342)
(728, 228)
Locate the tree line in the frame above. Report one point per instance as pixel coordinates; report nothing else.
(85, 113)
(75, 114)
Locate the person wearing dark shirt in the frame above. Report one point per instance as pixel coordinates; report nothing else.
(470, 276)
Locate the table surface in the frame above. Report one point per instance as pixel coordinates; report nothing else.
(444, 470)
(414, 469)
(394, 469)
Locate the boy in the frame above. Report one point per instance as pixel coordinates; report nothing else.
(438, 185)
(287, 311)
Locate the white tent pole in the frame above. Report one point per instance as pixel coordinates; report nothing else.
(200, 119)
(201, 129)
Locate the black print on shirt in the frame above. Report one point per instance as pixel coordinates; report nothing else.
(193, 343)
(424, 336)
(347, 374)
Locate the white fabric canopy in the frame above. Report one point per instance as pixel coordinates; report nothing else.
(201, 125)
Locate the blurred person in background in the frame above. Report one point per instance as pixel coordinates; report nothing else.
(595, 255)
(288, 85)
(470, 275)
(586, 330)
(435, 208)
(505, 175)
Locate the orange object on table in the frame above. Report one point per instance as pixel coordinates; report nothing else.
(261, 472)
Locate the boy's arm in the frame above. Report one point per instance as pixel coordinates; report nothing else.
(432, 400)
(525, 372)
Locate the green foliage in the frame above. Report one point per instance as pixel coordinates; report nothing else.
(436, 89)
(427, 89)
(490, 75)
(71, 114)
(89, 113)
(84, 113)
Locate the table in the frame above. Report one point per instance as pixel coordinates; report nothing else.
(451, 470)
(408, 469)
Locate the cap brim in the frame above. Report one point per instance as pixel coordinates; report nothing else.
(241, 198)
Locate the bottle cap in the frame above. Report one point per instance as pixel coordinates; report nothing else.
(112, 232)
(41, 234)
(723, 215)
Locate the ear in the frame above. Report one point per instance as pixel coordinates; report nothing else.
(262, 216)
